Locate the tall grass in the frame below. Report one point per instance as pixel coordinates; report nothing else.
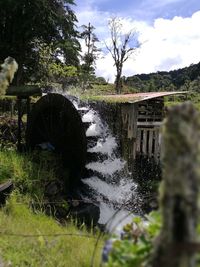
(29, 172)
(35, 240)
(30, 238)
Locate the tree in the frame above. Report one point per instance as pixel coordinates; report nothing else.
(24, 23)
(123, 45)
(90, 56)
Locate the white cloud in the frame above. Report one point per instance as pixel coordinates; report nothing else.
(169, 44)
(166, 45)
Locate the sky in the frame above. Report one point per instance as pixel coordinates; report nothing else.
(168, 31)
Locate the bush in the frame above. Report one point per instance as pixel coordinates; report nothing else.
(136, 244)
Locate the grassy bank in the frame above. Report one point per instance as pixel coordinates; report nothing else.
(30, 238)
(29, 172)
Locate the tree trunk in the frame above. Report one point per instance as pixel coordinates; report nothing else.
(179, 195)
(118, 83)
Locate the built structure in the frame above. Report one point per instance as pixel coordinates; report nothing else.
(136, 120)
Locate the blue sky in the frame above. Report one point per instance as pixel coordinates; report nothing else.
(169, 30)
(143, 9)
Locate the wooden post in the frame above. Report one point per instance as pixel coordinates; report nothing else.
(180, 189)
(19, 107)
(28, 109)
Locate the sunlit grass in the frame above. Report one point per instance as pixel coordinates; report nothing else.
(98, 90)
(194, 97)
(17, 218)
(35, 247)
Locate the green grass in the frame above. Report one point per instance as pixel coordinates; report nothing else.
(38, 246)
(16, 218)
(193, 97)
(96, 91)
(29, 172)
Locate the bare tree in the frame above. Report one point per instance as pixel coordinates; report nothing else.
(122, 46)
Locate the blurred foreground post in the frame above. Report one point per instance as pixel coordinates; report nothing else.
(176, 244)
(8, 69)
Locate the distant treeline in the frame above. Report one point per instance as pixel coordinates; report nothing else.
(187, 78)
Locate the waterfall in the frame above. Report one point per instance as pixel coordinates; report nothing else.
(107, 182)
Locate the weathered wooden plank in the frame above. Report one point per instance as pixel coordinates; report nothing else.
(157, 147)
(150, 150)
(144, 142)
(153, 117)
(129, 120)
(24, 91)
(138, 141)
(134, 149)
(133, 121)
(149, 123)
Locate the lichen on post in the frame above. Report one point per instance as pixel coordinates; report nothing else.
(8, 69)
(176, 244)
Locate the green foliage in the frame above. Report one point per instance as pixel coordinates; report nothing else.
(97, 89)
(101, 80)
(40, 247)
(194, 97)
(8, 127)
(50, 69)
(185, 79)
(90, 56)
(87, 68)
(62, 70)
(5, 173)
(31, 23)
(28, 174)
(136, 245)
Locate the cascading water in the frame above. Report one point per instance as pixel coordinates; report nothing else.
(107, 181)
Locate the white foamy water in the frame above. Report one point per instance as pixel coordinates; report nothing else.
(121, 192)
(93, 130)
(105, 147)
(88, 117)
(114, 219)
(96, 127)
(75, 103)
(107, 167)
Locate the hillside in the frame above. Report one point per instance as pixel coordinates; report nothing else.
(187, 78)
